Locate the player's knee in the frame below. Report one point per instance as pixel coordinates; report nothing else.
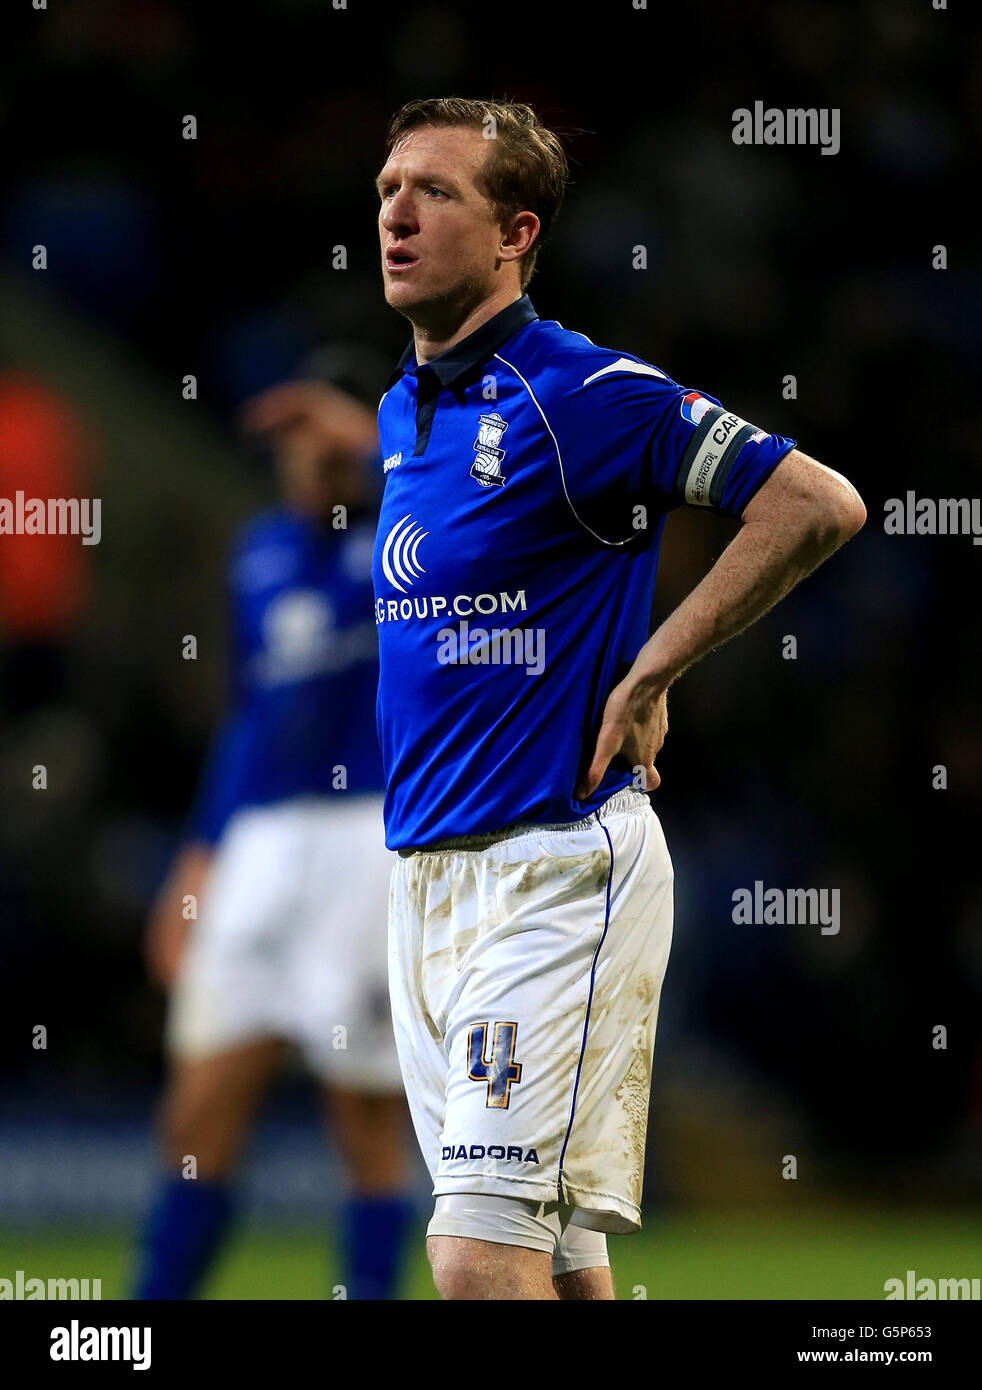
(183, 1142)
(370, 1132)
(192, 1135)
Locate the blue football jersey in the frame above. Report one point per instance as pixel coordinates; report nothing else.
(304, 669)
(528, 474)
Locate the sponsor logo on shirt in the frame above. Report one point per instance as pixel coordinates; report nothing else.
(399, 563)
(394, 610)
(402, 568)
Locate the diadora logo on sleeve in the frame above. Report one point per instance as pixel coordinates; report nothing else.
(486, 467)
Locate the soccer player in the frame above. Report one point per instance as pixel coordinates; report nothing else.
(286, 855)
(522, 700)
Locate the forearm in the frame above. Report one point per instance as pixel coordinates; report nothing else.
(751, 575)
(786, 534)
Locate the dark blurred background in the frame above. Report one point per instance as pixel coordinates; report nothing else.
(213, 257)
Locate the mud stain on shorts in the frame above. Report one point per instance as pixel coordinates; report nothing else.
(645, 988)
(441, 911)
(632, 1095)
(463, 941)
(568, 870)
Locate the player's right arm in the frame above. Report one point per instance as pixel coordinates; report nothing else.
(175, 908)
(172, 915)
(173, 912)
(312, 418)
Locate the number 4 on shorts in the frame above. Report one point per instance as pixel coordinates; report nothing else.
(500, 1069)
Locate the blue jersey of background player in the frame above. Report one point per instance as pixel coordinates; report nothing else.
(286, 857)
(304, 666)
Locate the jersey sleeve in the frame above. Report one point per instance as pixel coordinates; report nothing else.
(627, 432)
(708, 456)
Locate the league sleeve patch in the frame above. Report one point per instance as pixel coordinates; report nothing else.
(716, 441)
(694, 407)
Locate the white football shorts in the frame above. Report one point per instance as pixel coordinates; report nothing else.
(290, 942)
(525, 974)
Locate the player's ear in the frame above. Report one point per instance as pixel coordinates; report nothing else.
(518, 234)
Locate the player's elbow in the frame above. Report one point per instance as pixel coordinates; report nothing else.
(845, 512)
(834, 509)
(804, 497)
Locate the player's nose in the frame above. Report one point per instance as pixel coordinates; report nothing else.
(398, 217)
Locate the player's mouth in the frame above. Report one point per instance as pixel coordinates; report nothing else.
(398, 260)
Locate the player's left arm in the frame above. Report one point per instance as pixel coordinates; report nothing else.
(796, 519)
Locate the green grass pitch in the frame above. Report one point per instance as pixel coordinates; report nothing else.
(831, 1254)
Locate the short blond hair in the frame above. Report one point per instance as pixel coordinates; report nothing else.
(526, 170)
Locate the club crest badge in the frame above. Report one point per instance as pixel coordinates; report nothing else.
(486, 467)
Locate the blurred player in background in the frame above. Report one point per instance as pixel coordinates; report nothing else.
(286, 857)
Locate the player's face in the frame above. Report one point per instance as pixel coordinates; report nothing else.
(438, 237)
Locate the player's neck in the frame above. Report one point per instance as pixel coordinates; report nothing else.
(436, 336)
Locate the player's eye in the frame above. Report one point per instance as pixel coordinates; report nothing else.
(433, 189)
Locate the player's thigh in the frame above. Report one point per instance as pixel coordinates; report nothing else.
(419, 1042)
(581, 1264)
(339, 954)
(604, 1147)
(209, 1101)
(370, 1129)
(585, 1285)
(232, 986)
(549, 1022)
(512, 1227)
(508, 971)
(469, 1270)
